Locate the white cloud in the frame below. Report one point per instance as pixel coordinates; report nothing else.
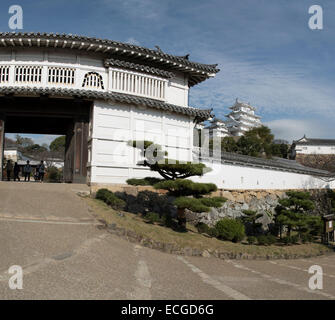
(272, 89)
(133, 41)
(293, 129)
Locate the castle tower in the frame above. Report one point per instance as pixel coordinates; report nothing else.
(242, 118)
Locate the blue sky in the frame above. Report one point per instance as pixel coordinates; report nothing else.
(267, 54)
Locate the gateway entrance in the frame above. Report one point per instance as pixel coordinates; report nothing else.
(42, 115)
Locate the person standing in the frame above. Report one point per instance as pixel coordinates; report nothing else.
(41, 171)
(27, 171)
(9, 168)
(16, 172)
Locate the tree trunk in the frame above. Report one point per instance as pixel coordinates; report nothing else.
(181, 216)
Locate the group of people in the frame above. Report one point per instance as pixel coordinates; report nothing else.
(27, 170)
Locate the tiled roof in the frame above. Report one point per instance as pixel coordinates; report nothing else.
(138, 67)
(200, 114)
(198, 72)
(272, 164)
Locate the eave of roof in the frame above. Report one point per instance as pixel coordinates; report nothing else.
(198, 72)
(200, 114)
(316, 142)
(138, 67)
(272, 164)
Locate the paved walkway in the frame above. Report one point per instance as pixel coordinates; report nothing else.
(49, 231)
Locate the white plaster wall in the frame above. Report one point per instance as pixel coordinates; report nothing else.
(228, 176)
(177, 90)
(315, 149)
(113, 125)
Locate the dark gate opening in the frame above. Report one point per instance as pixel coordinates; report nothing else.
(69, 117)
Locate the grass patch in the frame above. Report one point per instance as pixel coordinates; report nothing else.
(193, 239)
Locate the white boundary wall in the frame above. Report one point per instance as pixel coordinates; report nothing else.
(111, 160)
(228, 176)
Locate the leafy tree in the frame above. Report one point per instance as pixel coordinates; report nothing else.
(23, 142)
(249, 146)
(229, 144)
(169, 169)
(292, 212)
(35, 148)
(251, 217)
(58, 144)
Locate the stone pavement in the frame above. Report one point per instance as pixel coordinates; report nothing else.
(49, 231)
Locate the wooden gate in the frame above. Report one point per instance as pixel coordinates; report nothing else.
(76, 152)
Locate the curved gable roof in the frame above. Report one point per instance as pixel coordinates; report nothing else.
(197, 72)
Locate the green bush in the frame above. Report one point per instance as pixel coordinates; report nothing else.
(271, 239)
(230, 229)
(53, 174)
(184, 187)
(102, 194)
(111, 199)
(286, 240)
(252, 239)
(152, 217)
(262, 240)
(192, 204)
(295, 239)
(148, 181)
(204, 228)
(290, 239)
(215, 202)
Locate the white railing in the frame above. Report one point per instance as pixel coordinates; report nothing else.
(28, 74)
(140, 85)
(60, 75)
(4, 74)
(83, 78)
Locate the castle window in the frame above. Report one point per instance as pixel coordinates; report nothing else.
(28, 74)
(59, 75)
(4, 74)
(93, 80)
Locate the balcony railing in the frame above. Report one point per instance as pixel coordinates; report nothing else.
(58, 76)
(137, 84)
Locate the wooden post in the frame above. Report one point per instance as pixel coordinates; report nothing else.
(80, 150)
(2, 143)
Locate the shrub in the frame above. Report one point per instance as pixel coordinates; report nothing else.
(183, 187)
(102, 194)
(110, 198)
(148, 181)
(192, 204)
(215, 202)
(230, 229)
(252, 239)
(262, 240)
(53, 174)
(294, 239)
(153, 217)
(202, 227)
(271, 239)
(286, 240)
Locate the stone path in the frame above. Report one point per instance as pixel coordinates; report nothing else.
(49, 231)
